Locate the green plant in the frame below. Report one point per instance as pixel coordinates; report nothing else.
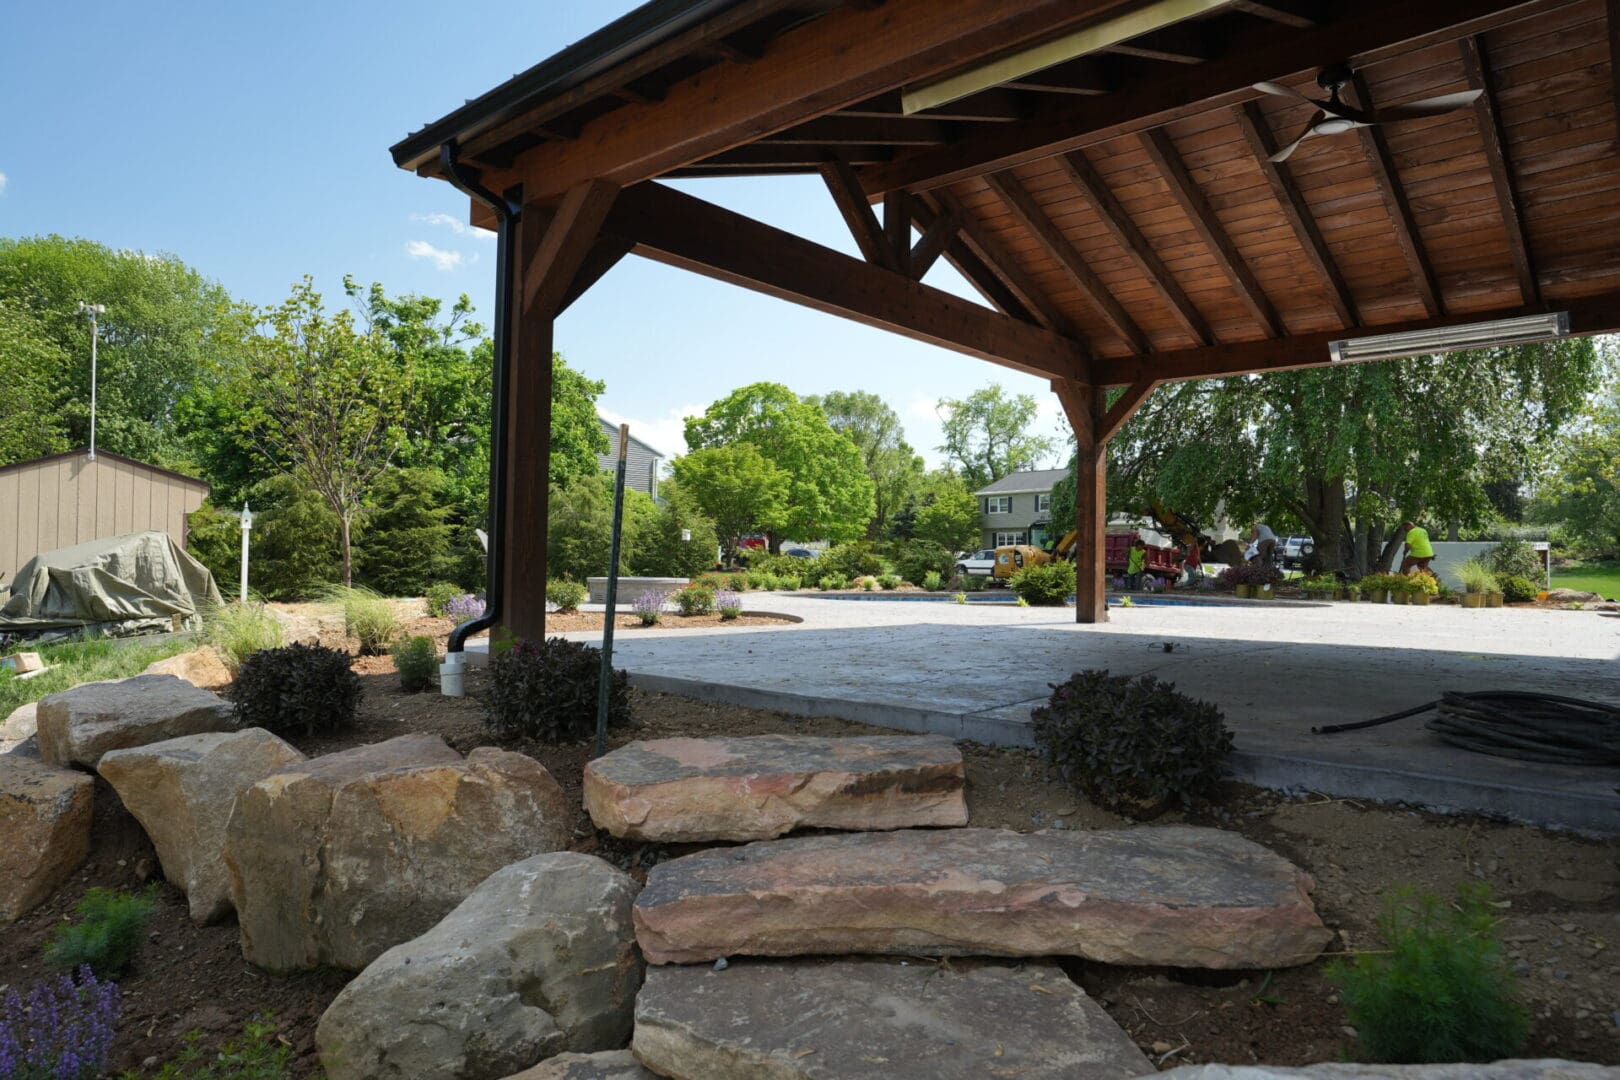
(1124, 601)
(973, 582)
(834, 582)
(889, 582)
(1047, 585)
(791, 583)
(415, 658)
(297, 688)
(1320, 583)
(1025, 603)
(368, 617)
(932, 581)
(1388, 583)
(257, 1055)
(695, 600)
(1475, 576)
(106, 932)
(438, 596)
(1514, 558)
(869, 584)
(567, 595)
(728, 604)
(916, 560)
(1132, 743)
(960, 598)
(852, 560)
(1516, 589)
(1422, 583)
(240, 630)
(546, 690)
(649, 607)
(1443, 992)
(405, 544)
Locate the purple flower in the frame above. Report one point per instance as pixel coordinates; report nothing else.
(464, 607)
(63, 1029)
(728, 603)
(650, 606)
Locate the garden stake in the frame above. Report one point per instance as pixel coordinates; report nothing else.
(606, 678)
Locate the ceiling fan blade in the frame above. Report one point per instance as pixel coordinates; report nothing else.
(1279, 90)
(1282, 155)
(1435, 106)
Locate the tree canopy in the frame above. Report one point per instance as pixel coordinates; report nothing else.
(737, 488)
(1582, 488)
(987, 435)
(893, 466)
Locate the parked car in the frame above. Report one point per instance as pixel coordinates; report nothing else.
(800, 553)
(980, 563)
(1294, 551)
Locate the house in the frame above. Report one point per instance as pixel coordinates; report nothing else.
(73, 498)
(1017, 508)
(642, 466)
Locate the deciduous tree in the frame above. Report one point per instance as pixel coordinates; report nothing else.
(737, 488)
(951, 517)
(987, 435)
(893, 466)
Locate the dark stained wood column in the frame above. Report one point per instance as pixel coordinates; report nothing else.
(1083, 403)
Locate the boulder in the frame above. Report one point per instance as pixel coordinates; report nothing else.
(44, 830)
(1573, 596)
(77, 726)
(539, 960)
(814, 1019)
(1176, 896)
(755, 788)
(199, 667)
(19, 727)
(1542, 1069)
(608, 1065)
(182, 790)
(340, 858)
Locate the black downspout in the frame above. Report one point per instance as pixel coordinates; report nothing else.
(508, 213)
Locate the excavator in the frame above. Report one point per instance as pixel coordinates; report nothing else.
(1161, 560)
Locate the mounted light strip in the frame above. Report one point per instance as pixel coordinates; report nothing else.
(1498, 333)
(1094, 38)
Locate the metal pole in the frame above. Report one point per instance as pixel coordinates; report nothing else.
(604, 682)
(247, 525)
(94, 333)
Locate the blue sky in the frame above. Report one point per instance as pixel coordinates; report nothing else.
(251, 140)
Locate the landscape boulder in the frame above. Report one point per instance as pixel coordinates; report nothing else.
(182, 791)
(820, 1019)
(77, 726)
(1177, 896)
(44, 830)
(19, 727)
(199, 667)
(607, 1065)
(758, 787)
(338, 859)
(1573, 596)
(1539, 1069)
(539, 960)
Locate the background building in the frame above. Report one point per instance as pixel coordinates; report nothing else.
(643, 465)
(1017, 508)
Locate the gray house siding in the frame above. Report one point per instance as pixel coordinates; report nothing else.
(1014, 509)
(641, 465)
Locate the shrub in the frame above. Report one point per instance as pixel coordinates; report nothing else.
(759, 579)
(1047, 585)
(405, 543)
(257, 1055)
(973, 582)
(791, 583)
(1423, 583)
(296, 689)
(546, 690)
(661, 550)
(869, 584)
(438, 596)
(1475, 576)
(464, 607)
(567, 595)
(295, 553)
(736, 582)
(1383, 583)
(368, 617)
(960, 598)
(834, 582)
(916, 560)
(851, 560)
(1318, 583)
(62, 1030)
(415, 658)
(728, 603)
(695, 600)
(1516, 589)
(760, 560)
(1442, 993)
(240, 630)
(932, 581)
(1515, 558)
(889, 582)
(107, 931)
(649, 607)
(1132, 742)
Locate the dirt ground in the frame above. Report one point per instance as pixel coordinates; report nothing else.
(1559, 898)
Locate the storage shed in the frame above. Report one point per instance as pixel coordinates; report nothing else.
(65, 499)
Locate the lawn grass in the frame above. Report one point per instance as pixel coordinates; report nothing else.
(1601, 578)
(76, 662)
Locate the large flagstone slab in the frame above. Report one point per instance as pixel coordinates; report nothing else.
(846, 1019)
(1178, 896)
(607, 1065)
(758, 787)
(1522, 1069)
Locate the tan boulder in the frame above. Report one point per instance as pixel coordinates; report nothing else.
(19, 727)
(1176, 896)
(199, 667)
(182, 791)
(77, 726)
(44, 830)
(338, 859)
(758, 787)
(607, 1065)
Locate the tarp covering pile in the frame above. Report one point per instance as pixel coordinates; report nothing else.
(140, 583)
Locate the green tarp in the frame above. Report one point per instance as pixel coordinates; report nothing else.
(140, 583)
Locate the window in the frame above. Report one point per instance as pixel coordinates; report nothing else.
(1043, 503)
(998, 504)
(1008, 539)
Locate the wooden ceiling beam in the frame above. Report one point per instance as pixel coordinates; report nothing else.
(1477, 65)
(1118, 222)
(554, 264)
(1369, 30)
(997, 105)
(1295, 13)
(1382, 163)
(938, 234)
(897, 231)
(1087, 75)
(1262, 143)
(1028, 212)
(1124, 407)
(677, 229)
(1167, 159)
(977, 272)
(863, 131)
(1184, 43)
(742, 158)
(845, 189)
(603, 256)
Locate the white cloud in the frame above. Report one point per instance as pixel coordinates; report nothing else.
(923, 408)
(667, 434)
(2, 183)
(442, 259)
(460, 228)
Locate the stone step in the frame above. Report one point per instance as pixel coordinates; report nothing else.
(886, 1020)
(758, 787)
(1177, 896)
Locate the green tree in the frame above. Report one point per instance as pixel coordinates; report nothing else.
(1582, 489)
(295, 551)
(737, 488)
(580, 531)
(404, 545)
(679, 542)
(30, 424)
(987, 435)
(829, 494)
(893, 466)
(951, 518)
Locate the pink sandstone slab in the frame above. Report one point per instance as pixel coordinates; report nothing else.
(758, 787)
(1177, 896)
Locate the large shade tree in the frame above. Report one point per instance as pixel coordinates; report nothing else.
(736, 488)
(30, 423)
(1582, 485)
(988, 435)
(893, 466)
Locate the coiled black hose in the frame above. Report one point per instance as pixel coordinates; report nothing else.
(1514, 724)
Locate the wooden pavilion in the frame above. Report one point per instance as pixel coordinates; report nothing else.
(1098, 169)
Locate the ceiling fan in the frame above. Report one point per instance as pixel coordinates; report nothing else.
(1334, 117)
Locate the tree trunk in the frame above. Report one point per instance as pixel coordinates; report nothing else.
(348, 554)
(1324, 515)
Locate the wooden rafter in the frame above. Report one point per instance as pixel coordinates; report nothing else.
(1382, 163)
(995, 106)
(1003, 268)
(1125, 407)
(1477, 65)
(677, 229)
(568, 238)
(897, 230)
(1085, 76)
(1262, 143)
(1191, 199)
(863, 131)
(1611, 13)
(1007, 188)
(603, 256)
(938, 234)
(1123, 229)
(1288, 12)
(845, 188)
(1183, 43)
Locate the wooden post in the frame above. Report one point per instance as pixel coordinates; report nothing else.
(1083, 403)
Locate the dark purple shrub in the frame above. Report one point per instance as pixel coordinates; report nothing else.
(63, 1029)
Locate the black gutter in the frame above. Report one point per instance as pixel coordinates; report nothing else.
(508, 212)
(618, 41)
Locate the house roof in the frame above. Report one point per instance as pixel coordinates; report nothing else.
(1033, 482)
(84, 452)
(612, 430)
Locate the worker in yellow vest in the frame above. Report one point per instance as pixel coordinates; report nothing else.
(1419, 551)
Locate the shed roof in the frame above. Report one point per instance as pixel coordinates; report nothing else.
(85, 452)
(1034, 481)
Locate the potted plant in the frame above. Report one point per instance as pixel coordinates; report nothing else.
(1379, 587)
(1477, 581)
(1263, 580)
(1321, 586)
(1352, 592)
(1493, 598)
(1421, 588)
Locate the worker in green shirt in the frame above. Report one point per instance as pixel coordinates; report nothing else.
(1134, 562)
(1419, 551)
